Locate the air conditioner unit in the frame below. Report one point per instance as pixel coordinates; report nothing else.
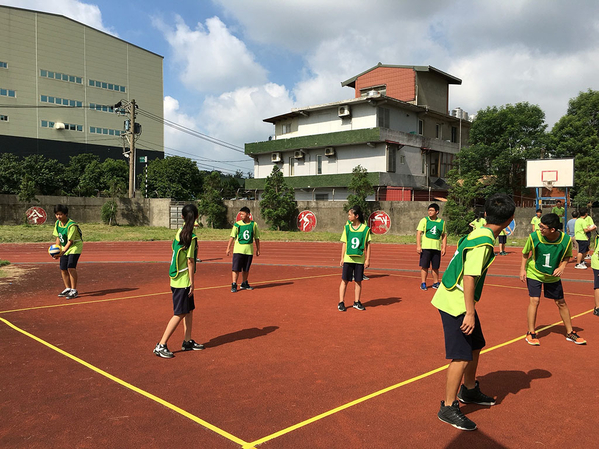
(330, 151)
(298, 154)
(343, 111)
(59, 125)
(275, 157)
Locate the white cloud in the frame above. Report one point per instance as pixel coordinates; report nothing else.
(212, 59)
(81, 12)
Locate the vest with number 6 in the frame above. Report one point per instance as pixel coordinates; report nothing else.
(434, 228)
(245, 233)
(356, 239)
(547, 256)
(455, 270)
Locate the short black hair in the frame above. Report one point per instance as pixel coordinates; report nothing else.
(434, 206)
(540, 210)
(583, 211)
(61, 208)
(574, 214)
(499, 208)
(245, 209)
(551, 221)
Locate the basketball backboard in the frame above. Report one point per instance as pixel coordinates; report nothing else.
(550, 172)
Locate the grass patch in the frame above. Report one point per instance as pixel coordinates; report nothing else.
(98, 232)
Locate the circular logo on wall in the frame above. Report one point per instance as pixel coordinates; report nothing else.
(511, 228)
(306, 221)
(36, 215)
(379, 222)
(239, 216)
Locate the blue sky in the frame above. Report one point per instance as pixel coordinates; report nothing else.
(231, 63)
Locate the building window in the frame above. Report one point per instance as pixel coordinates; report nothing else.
(62, 101)
(8, 93)
(384, 118)
(286, 128)
(107, 86)
(434, 170)
(319, 164)
(101, 107)
(61, 76)
(439, 131)
(391, 155)
(454, 134)
(370, 91)
(105, 131)
(423, 163)
(67, 126)
(321, 196)
(291, 166)
(420, 127)
(3, 118)
(402, 159)
(3, 65)
(446, 164)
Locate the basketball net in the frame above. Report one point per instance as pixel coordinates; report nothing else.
(548, 185)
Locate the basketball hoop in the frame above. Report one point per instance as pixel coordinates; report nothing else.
(548, 185)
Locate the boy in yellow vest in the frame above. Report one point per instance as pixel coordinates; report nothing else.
(431, 241)
(456, 298)
(551, 249)
(69, 239)
(244, 233)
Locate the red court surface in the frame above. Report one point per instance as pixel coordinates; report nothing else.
(282, 367)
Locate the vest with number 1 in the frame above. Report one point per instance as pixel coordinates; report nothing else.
(245, 233)
(356, 239)
(547, 256)
(434, 228)
(455, 270)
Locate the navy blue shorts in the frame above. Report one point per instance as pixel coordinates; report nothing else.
(69, 261)
(596, 279)
(503, 239)
(430, 257)
(458, 345)
(353, 272)
(553, 290)
(182, 302)
(242, 262)
(583, 246)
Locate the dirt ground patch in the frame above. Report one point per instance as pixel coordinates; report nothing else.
(12, 273)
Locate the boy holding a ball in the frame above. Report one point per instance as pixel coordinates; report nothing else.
(69, 239)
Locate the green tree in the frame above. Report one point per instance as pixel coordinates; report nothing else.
(114, 180)
(174, 177)
(11, 173)
(75, 170)
(576, 135)
(361, 187)
(27, 189)
(109, 212)
(211, 201)
(46, 174)
(278, 206)
(90, 181)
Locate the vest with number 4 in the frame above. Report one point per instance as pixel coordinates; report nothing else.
(177, 265)
(356, 239)
(546, 255)
(455, 270)
(245, 233)
(63, 232)
(434, 228)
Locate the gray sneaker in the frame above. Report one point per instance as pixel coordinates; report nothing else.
(162, 351)
(451, 414)
(64, 293)
(72, 294)
(191, 346)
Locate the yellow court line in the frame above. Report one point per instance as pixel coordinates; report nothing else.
(160, 401)
(383, 391)
(154, 294)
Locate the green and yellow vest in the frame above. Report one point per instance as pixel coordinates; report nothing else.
(546, 255)
(63, 232)
(434, 228)
(245, 233)
(356, 239)
(179, 264)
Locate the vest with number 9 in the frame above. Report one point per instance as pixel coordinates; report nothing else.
(356, 240)
(245, 233)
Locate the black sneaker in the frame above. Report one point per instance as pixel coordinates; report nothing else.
(341, 307)
(453, 415)
(233, 287)
(64, 293)
(72, 294)
(191, 346)
(365, 278)
(162, 351)
(358, 305)
(474, 396)
(596, 311)
(245, 286)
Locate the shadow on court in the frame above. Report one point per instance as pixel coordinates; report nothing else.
(245, 334)
(210, 260)
(382, 302)
(107, 291)
(501, 383)
(474, 439)
(560, 329)
(273, 284)
(375, 276)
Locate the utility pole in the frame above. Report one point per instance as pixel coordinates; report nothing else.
(130, 134)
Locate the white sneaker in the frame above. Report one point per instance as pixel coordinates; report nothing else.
(587, 257)
(65, 292)
(581, 266)
(72, 294)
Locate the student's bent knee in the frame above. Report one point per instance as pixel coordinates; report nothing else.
(561, 303)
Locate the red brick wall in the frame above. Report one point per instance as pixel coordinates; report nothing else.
(401, 83)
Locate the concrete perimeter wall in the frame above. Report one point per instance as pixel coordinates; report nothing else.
(330, 216)
(136, 211)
